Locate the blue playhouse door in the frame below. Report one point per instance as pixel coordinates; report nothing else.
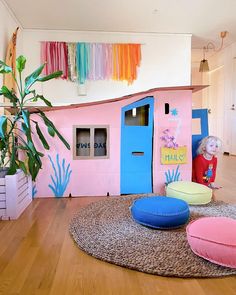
(136, 147)
(200, 117)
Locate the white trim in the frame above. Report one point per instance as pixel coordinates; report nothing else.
(151, 34)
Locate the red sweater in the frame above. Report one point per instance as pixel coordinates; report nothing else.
(204, 171)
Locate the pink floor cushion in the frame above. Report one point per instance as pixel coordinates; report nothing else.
(214, 239)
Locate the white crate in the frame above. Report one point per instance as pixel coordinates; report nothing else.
(15, 195)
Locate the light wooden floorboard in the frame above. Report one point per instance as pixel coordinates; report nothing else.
(38, 256)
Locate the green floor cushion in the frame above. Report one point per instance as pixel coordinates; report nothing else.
(191, 192)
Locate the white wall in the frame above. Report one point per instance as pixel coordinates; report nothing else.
(8, 24)
(197, 79)
(166, 61)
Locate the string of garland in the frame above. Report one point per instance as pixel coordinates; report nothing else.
(92, 61)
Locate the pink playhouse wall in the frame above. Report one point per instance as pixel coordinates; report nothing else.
(180, 126)
(97, 177)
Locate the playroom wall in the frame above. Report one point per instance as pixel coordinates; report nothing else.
(166, 61)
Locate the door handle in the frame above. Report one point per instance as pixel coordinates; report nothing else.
(137, 153)
(233, 107)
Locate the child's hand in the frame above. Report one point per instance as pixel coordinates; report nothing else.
(214, 186)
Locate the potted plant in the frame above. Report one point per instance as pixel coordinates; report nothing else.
(16, 130)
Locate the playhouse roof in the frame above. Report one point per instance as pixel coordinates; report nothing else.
(34, 109)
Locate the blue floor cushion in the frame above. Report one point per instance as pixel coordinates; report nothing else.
(160, 212)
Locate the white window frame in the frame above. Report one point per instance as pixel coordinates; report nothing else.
(92, 132)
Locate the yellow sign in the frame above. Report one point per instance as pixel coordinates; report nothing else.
(174, 156)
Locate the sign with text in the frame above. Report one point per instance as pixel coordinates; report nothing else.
(174, 156)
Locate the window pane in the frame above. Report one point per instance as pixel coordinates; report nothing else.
(137, 116)
(100, 142)
(196, 126)
(82, 142)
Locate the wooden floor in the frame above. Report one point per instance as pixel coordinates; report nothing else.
(38, 256)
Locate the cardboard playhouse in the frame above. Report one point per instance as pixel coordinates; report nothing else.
(130, 145)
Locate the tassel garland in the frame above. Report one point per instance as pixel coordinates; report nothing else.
(92, 61)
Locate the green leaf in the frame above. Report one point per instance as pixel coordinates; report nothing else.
(33, 167)
(9, 94)
(32, 147)
(2, 145)
(32, 78)
(26, 130)
(22, 166)
(22, 147)
(3, 126)
(40, 155)
(51, 76)
(51, 131)
(34, 163)
(47, 102)
(26, 115)
(27, 91)
(34, 99)
(51, 125)
(13, 165)
(41, 137)
(4, 68)
(20, 63)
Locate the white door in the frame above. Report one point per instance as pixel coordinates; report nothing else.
(231, 110)
(216, 102)
(233, 130)
(221, 104)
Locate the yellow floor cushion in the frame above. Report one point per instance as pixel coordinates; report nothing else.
(191, 192)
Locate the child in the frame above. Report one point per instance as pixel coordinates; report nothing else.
(205, 163)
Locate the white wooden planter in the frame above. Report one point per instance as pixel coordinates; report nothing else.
(15, 195)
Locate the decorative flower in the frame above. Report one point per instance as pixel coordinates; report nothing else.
(169, 139)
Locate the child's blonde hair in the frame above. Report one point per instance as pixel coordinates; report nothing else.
(202, 145)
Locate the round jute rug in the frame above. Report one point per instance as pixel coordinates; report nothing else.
(106, 230)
